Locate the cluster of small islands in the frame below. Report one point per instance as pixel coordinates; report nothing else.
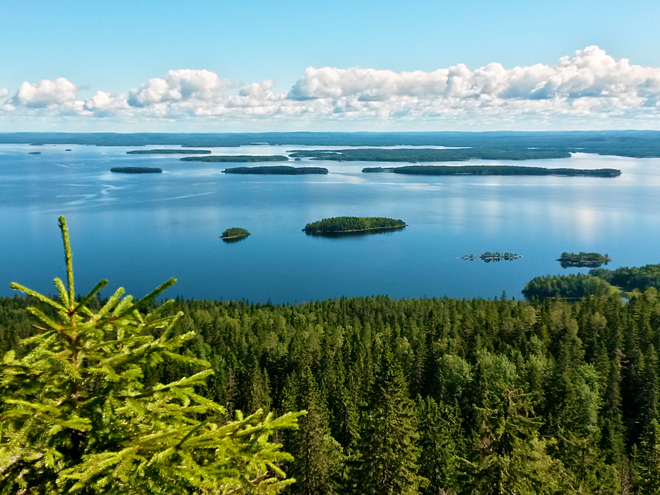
(340, 226)
(380, 155)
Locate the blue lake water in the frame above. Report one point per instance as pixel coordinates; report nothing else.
(140, 230)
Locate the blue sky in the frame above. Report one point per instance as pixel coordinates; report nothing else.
(119, 46)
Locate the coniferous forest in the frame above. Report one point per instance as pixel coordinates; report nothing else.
(434, 396)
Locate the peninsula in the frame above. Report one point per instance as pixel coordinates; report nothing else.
(169, 152)
(414, 155)
(346, 225)
(492, 170)
(136, 170)
(582, 259)
(276, 170)
(234, 233)
(236, 158)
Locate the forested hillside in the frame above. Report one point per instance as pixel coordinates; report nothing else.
(438, 396)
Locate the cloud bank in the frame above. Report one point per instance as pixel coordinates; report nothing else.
(590, 84)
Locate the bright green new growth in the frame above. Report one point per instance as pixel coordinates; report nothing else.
(76, 417)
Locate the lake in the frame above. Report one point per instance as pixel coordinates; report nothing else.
(140, 230)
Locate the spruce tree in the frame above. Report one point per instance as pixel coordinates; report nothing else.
(77, 417)
(386, 457)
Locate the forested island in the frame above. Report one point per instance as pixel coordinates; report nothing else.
(599, 281)
(492, 170)
(235, 158)
(582, 259)
(234, 233)
(345, 225)
(277, 170)
(136, 170)
(169, 152)
(34, 153)
(495, 256)
(415, 155)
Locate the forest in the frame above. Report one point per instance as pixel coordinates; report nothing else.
(338, 225)
(415, 155)
(168, 151)
(493, 170)
(435, 396)
(235, 158)
(136, 170)
(599, 281)
(276, 170)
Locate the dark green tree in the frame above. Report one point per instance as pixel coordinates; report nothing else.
(387, 454)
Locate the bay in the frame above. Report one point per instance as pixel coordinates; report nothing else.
(138, 231)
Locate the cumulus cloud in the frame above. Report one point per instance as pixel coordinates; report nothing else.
(590, 84)
(58, 93)
(4, 93)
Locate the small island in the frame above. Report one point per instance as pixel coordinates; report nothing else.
(488, 256)
(236, 158)
(136, 170)
(169, 152)
(492, 170)
(68, 149)
(352, 225)
(276, 170)
(34, 153)
(583, 260)
(234, 234)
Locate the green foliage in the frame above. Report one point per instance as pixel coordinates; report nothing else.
(276, 170)
(630, 279)
(492, 170)
(566, 286)
(77, 414)
(235, 232)
(235, 159)
(337, 225)
(428, 155)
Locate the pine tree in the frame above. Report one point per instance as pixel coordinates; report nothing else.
(77, 417)
(386, 457)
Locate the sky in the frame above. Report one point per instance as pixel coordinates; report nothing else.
(220, 66)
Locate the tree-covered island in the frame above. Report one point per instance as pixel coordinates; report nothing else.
(414, 155)
(492, 170)
(582, 259)
(235, 233)
(136, 170)
(345, 225)
(34, 153)
(236, 158)
(488, 256)
(169, 152)
(276, 170)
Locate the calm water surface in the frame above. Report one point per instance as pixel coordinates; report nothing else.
(138, 231)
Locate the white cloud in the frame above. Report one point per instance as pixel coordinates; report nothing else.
(59, 93)
(589, 84)
(4, 93)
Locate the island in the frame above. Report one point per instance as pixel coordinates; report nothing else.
(236, 158)
(488, 256)
(234, 234)
(492, 170)
(582, 260)
(276, 170)
(352, 225)
(68, 149)
(169, 152)
(34, 153)
(136, 170)
(414, 155)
